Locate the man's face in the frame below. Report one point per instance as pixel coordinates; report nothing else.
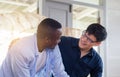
(87, 41)
(55, 39)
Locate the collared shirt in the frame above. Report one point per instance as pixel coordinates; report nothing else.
(21, 60)
(41, 60)
(76, 66)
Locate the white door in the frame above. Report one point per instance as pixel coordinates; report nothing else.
(59, 11)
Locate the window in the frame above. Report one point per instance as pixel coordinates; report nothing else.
(15, 19)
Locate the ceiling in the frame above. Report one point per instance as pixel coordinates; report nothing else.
(80, 13)
(85, 14)
(8, 6)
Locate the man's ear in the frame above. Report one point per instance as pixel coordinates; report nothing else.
(97, 43)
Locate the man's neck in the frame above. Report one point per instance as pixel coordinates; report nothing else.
(83, 52)
(41, 46)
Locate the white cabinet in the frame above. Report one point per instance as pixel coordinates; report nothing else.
(59, 11)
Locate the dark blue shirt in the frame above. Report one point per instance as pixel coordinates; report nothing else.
(76, 66)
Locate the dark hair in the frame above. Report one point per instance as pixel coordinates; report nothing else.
(48, 22)
(48, 26)
(98, 31)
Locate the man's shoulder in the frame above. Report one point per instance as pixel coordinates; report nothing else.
(22, 44)
(96, 55)
(68, 38)
(67, 41)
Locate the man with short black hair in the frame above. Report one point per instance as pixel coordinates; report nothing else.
(79, 57)
(37, 55)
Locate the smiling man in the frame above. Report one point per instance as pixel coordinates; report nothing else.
(79, 57)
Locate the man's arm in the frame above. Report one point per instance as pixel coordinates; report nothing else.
(18, 63)
(58, 67)
(98, 70)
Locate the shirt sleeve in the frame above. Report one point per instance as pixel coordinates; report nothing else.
(57, 64)
(18, 63)
(97, 71)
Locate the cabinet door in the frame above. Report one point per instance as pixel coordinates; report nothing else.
(59, 11)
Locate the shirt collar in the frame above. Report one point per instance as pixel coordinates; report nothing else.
(75, 43)
(91, 52)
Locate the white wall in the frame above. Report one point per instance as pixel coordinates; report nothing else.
(113, 40)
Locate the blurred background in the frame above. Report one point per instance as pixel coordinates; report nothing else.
(19, 18)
